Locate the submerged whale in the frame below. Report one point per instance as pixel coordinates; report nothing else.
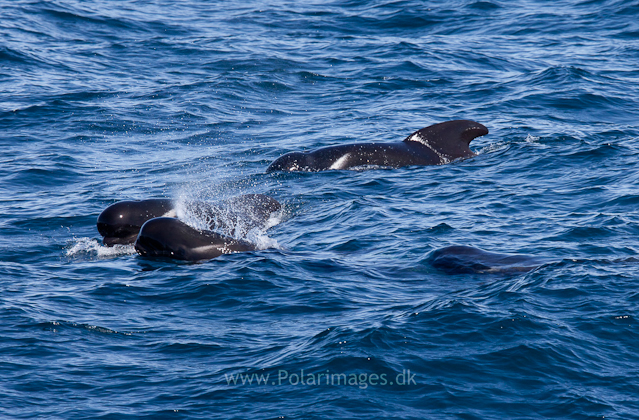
(434, 145)
(466, 259)
(120, 223)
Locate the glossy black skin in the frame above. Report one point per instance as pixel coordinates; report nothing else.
(166, 237)
(434, 145)
(120, 223)
(466, 259)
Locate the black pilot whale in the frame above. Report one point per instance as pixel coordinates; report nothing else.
(434, 145)
(171, 238)
(465, 259)
(120, 223)
(156, 232)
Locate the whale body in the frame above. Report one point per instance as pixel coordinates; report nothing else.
(465, 259)
(171, 238)
(434, 145)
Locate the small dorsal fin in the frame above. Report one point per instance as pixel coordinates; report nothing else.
(450, 138)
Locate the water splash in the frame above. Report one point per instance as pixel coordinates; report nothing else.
(531, 139)
(91, 247)
(231, 219)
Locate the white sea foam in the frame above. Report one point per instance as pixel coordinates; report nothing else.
(492, 148)
(531, 139)
(90, 246)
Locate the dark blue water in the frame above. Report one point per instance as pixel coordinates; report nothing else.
(106, 101)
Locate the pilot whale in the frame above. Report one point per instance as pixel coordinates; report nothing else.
(434, 145)
(171, 238)
(120, 223)
(458, 259)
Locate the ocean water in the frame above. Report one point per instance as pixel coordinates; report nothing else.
(341, 312)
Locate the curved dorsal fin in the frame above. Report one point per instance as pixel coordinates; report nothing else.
(450, 138)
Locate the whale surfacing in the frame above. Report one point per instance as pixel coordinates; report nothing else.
(171, 238)
(467, 260)
(120, 223)
(434, 145)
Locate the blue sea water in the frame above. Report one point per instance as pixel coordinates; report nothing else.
(113, 100)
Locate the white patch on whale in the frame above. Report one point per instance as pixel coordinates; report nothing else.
(419, 139)
(341, 162)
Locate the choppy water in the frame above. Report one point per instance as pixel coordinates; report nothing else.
(105, 101)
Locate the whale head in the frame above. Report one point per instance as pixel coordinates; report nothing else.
(120, 222)
(294, 161)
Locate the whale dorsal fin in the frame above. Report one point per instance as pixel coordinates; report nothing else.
(451, 138)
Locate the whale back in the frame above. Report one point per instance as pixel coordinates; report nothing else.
(450, 139)
(465, 259)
